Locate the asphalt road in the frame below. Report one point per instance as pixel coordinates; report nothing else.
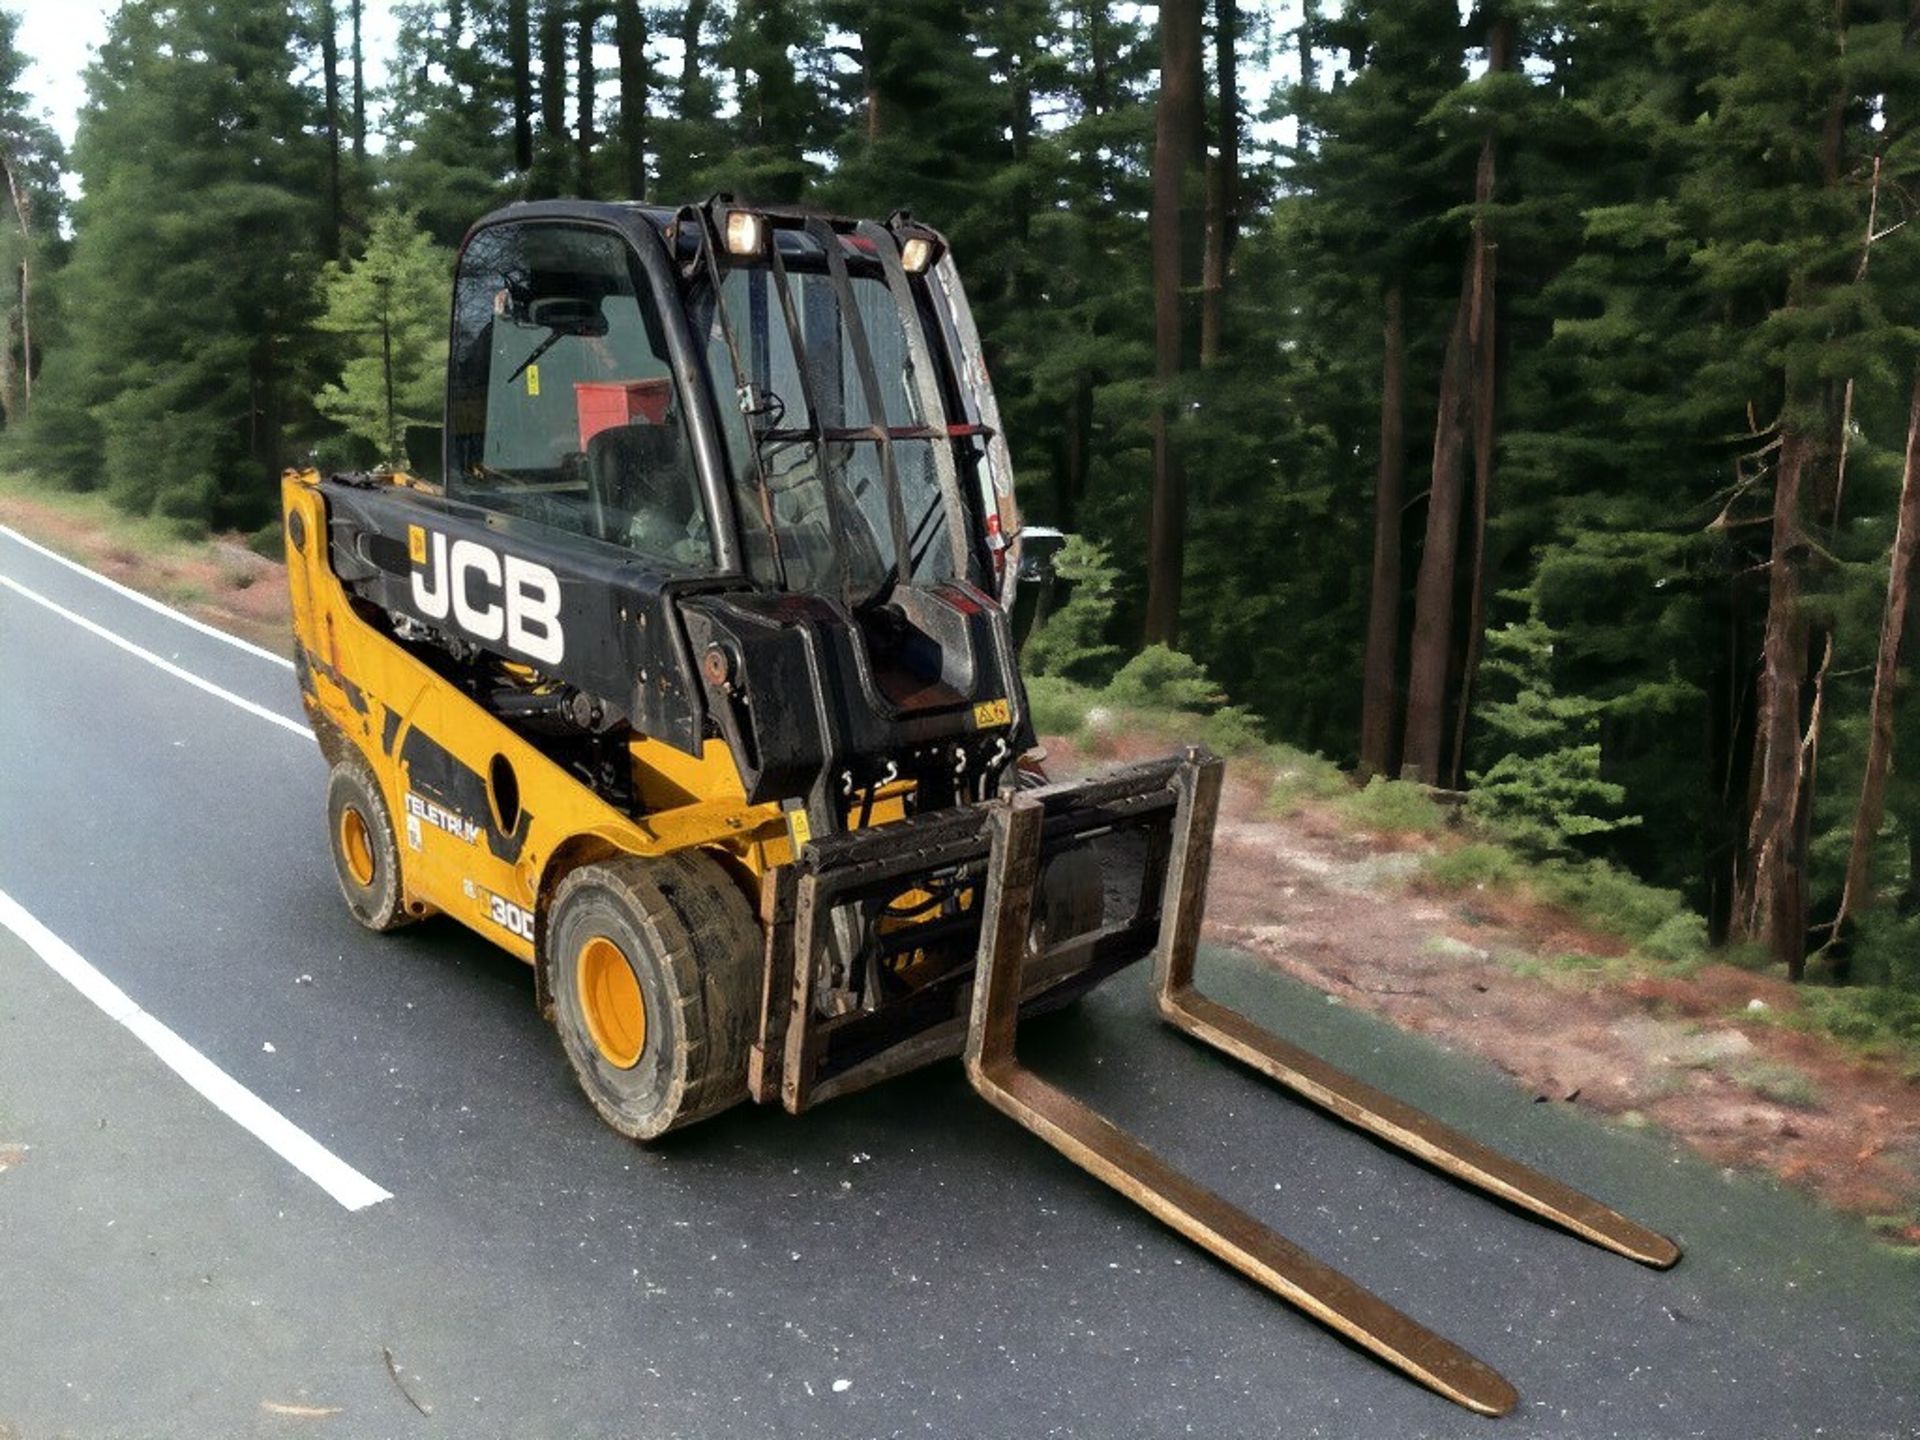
(903, 1262)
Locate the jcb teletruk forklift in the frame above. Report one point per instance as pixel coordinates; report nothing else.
(680, 667)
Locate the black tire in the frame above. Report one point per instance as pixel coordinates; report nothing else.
(690, 942)
(366, 852)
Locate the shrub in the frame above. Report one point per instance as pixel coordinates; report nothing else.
(269, 540)
(1783, 1084)
(1876, 1015)
(1300, 776)
(1232, 730)
(1470, 867)
(1609, 898)
(1073, 642)
(1058, 706)
(1679, 940)
(1162, 679)
(1395, 806)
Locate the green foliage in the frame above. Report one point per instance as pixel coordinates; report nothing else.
(1873, 1016)
(1162, 679)
(269, 540)
(1784, 1084)
(1058, 705)
(188, 291)
(1075, 641)
(1544, 792)
(1680, 940)
(1610, 899)
(389, 312)
(1476, 865)
(1395, 807)
(1680, 201)
(1300, 776)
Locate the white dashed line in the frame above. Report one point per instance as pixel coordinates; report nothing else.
(239, 1104)
(147, 600)
(152, 659)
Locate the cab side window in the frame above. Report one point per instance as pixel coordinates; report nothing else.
(562, 406)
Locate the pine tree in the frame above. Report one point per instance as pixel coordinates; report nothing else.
(31, 210)
(389, 310)
(189, 287)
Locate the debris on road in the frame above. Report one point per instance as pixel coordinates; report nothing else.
(400, 1384)
(302, 1412)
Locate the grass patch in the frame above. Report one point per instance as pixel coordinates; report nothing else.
(1476, 865)
(1300, 777)
(1874, 1017)
(140, 534)
(1783, 1084)
(1396, 807)
(269, 542)
(1059, 706)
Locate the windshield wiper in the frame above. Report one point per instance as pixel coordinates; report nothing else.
(545, 345)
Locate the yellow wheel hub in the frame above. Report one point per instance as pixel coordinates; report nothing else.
(610, 997)
(356, 845)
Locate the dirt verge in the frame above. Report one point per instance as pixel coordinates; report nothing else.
(218, 580)
(1552, 1004)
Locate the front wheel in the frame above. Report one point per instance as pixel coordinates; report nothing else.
(366, 853)
(653, 965)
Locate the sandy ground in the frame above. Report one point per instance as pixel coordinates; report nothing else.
(1345, 912)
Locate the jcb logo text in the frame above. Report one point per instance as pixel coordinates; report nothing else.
(490, 596)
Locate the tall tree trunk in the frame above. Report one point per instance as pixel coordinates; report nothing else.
(359, 88)
(1176, 133)
(584, 136)
(1873, 785)
(1770, 907)
(553, 71)
(23, 214)
(1432, 643)
(1486, 382)
(1466, 386)
(330, 62)
(1380, 698)
(1099, 95)
(1223, 180)
(1303, 39)
(696, 91)
(630, 34)
(1073, 484)
(520, 63)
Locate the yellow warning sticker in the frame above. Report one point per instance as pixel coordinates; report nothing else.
(533, 379)
(416, 545)
(989, 713)
(799, 830)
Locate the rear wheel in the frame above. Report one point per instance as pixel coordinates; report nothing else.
(653, 965)
(366, 854)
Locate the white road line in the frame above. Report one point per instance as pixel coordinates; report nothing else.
(229, 1096)
(152, 659)
(147, 600)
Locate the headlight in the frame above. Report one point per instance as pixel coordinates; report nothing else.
(746, 233)
(916, 253)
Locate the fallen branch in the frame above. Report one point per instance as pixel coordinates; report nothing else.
(401, 1385)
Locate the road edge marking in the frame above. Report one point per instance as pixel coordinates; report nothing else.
(152, 659)
(159, 607)
(227, 1095)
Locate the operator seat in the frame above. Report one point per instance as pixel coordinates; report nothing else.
(643, 493)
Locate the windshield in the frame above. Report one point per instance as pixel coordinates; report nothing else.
(562, 401)
(823, 442)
